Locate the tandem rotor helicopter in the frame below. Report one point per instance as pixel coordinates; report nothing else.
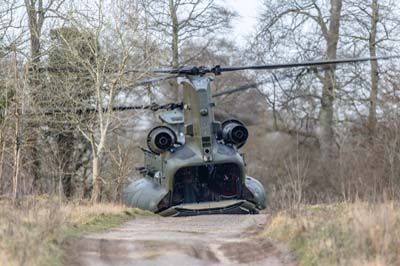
(192, 164)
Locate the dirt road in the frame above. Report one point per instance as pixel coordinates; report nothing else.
(198, 240)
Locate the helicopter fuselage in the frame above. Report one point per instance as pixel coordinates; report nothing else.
(193, 165)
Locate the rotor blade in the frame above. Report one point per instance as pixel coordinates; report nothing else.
(86, 110)
(157, 71)
(253, 85)
(240, 88)
(75, 69)
(304, 64)
(152, 107)
(153, 80)
(140, 83)
(217, 70)
(185, 70)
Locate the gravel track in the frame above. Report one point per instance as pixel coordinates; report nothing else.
(196, 240)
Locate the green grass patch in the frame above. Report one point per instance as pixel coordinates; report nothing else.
(100, 223)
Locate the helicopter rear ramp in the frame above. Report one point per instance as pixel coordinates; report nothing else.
(216, 207)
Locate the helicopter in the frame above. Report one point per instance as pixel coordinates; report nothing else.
(192, 163)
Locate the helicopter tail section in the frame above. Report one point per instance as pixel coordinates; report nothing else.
(144, 194)
(252, 201)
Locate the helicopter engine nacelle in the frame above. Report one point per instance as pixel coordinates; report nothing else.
(234, 132)
(160, 139)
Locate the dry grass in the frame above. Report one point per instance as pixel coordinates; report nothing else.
(341, 234)
(34, 232)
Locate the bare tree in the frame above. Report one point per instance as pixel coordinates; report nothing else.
(181, 21)
(17, 135)
(88, 79)
(293, 17)
(37, 11)
(372, 40)
(375, 30)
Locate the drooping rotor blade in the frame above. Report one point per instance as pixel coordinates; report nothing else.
(255, 85)
(217, 70)
(305, 64)
(152, 107)
(240, 88)
(74, 69)
(88, 110)
(153, 80)
(78, 70)
(58, 69)
(186, 70)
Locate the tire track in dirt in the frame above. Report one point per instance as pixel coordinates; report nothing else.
(196, 240)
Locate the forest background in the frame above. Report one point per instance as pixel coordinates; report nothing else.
(317, 136)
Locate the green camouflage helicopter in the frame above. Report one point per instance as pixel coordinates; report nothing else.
(193, 165)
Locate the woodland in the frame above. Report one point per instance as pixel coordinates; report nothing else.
(317, 135)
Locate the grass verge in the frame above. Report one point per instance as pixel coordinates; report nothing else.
(38, 230)
(340, 234)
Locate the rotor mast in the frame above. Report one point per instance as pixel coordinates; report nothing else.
(200, 124)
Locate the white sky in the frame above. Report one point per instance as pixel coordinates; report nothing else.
(248, 11)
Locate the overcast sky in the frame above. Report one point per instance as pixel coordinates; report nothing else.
(247, 10)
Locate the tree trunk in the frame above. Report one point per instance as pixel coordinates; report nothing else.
(96, 179)
(65, 143)
(175, 36)
(174, 48)
(326, 137)
(373, 97)
(3, 148)
(17, 156)
(36, 17)
(17, 161)
(17, 135)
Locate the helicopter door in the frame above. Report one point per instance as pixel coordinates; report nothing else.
(206, 183)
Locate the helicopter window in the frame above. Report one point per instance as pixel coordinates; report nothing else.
(206, 183)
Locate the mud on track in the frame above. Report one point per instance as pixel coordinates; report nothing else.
(196, 240)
